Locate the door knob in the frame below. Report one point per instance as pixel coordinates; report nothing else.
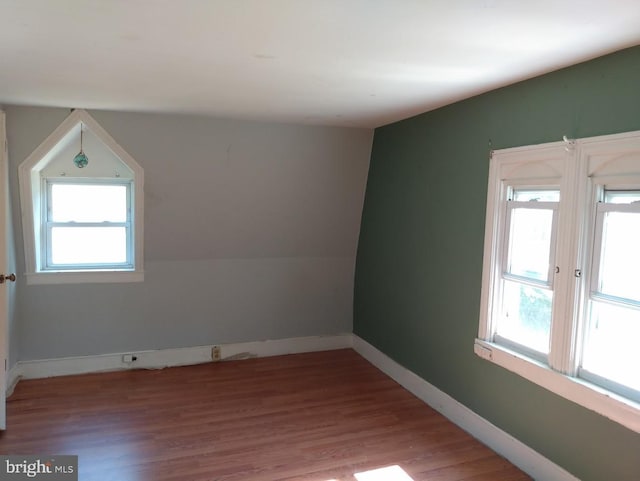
(7, 277)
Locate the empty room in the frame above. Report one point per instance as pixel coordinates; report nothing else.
(264, 240)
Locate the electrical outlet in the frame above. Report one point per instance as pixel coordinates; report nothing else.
(129, 358)
(216, 355)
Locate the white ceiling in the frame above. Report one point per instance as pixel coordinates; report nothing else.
(333, 62)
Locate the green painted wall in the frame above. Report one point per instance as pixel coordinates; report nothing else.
(419, 262)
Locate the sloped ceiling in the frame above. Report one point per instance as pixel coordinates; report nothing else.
(334, 62)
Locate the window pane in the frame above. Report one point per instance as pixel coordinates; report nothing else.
(620, 259)
(611, 346)
(526, 315)
(536, 195)
(88, 203)
(88, 245)
(621, 196)
(530, 243)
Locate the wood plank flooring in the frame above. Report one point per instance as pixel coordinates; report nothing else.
(308, 417)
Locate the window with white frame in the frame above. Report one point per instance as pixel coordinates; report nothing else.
(528, 269)
(560, 292)
(87, 224)
(610, 351)
(82, 221)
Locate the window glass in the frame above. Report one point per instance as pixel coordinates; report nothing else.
(536, 195)
(620, 255)
(526, 315)
(611, 344)
(88, 245)
(530, 243)
(621, 196)
(88, 203)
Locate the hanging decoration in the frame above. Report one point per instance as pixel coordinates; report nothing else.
(81, 160)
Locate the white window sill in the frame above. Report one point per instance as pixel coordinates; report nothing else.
(590, 396)
(84, 277)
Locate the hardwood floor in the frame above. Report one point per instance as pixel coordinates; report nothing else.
(309, 417)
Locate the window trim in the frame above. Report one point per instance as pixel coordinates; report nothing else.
(561, 374)
(31, 192)
(48, 224)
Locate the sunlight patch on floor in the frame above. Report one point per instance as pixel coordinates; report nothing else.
(390, 473)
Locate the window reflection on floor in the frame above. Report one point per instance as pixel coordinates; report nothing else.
(390, 473)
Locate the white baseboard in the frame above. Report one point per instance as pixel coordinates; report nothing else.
(162, 358)
(518, 453)
(280, 347)
(13, 376)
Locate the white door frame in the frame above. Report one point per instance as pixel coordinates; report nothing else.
(4, 265)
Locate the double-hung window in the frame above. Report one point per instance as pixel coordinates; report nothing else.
(611, 351)
(87, 225)
(561, 289)
(82, 201)
(528, 269)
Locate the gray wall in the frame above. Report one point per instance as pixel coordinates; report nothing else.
(250, 234)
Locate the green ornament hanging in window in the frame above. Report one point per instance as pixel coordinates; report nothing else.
(81, 160)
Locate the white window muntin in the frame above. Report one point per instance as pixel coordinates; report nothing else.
(48, 224)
